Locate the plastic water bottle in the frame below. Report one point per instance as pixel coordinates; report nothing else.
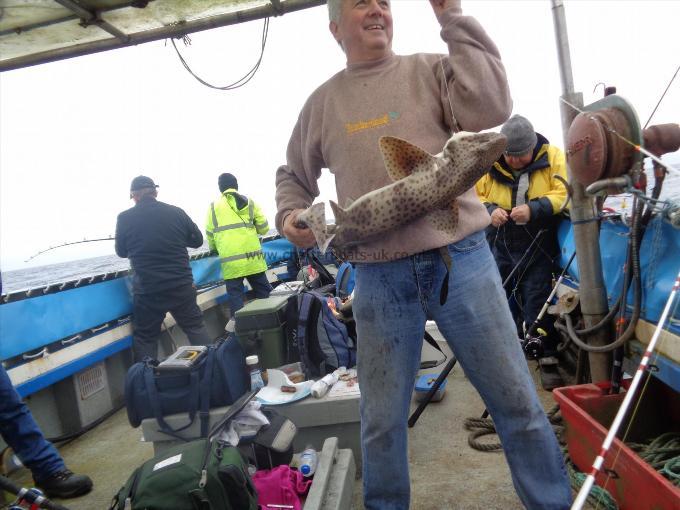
(256, 381)
(308, 460)
(321, 387)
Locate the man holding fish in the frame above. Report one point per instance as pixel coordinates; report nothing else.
(416, 262)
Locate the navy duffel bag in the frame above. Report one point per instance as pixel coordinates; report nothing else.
(218, 379)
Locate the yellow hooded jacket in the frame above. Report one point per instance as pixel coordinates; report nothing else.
(545, 195)
(232, 227)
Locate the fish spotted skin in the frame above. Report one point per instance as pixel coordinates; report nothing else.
(424, 185)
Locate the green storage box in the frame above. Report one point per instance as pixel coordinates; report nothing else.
(264, 313)
(261, 330)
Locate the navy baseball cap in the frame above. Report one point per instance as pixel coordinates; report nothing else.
(142, 182)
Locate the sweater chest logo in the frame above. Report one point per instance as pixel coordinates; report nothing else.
(383, 120)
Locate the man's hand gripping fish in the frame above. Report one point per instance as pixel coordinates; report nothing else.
(424, 185)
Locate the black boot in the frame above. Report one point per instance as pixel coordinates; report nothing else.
(550, 376)
(65, 484)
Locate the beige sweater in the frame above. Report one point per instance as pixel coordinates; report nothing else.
(403, 96)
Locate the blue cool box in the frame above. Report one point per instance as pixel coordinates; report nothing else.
(424, 384)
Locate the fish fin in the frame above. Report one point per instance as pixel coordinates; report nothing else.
(402, 158)
(445, 219)
(315, 218)
(323, 246)
(338, 213)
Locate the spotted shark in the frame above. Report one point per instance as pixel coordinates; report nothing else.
(424, 185)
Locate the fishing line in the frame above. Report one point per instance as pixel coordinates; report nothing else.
(661, 98)
(454, 123)
(110, 238)
(241, 81)
(545, 253)
(520, 302)
(513, 292)
(637, 147)
(516, 267)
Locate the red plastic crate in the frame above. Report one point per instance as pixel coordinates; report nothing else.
(588, 412)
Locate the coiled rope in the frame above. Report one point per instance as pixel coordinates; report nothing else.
(663, 454)
(479, 427)
(598, 497)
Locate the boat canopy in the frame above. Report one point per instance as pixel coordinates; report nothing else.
(39, 31)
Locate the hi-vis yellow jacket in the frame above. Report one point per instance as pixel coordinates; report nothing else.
(232, 226)
(544, 194)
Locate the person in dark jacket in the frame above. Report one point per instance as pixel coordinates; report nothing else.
(155, 237)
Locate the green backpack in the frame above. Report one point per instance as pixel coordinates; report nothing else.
(204, 474)
(199, 475)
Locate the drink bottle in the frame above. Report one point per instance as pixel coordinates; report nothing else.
(256, 381)
(308, 460)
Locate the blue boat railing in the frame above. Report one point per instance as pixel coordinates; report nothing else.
(659, 260)
(47, 316)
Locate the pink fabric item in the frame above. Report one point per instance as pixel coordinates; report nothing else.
(280, 486)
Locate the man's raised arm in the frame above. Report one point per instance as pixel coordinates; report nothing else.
(477, 84)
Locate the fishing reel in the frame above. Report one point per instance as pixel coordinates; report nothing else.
(601, 144)
(29, 500)
(605, 146)
(532, 345)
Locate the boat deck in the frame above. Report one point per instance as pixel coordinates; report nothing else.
(445, 472)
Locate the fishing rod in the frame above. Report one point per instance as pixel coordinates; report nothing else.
(661, 98)
(623, 410)
(633, 261)
(525, 255)
(527, 344)
(110, 238)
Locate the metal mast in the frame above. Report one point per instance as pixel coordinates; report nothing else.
(592, 291)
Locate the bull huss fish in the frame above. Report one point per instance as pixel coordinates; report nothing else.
(424, 185)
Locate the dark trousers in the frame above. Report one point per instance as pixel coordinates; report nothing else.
(235, 293)
(149, 311)
(22, 434)
(529, 287)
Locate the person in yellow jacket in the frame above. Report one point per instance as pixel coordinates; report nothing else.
(232, 227)
(523, 197)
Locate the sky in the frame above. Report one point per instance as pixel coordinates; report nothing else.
(74, 133)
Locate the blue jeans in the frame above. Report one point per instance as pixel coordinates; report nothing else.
(22, 434)
(391, 304)
(235, 292)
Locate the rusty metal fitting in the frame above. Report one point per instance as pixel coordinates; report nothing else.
(612, 185)
(662, 138)
(594, 151)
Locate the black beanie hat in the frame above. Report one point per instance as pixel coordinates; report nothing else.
(227, 181)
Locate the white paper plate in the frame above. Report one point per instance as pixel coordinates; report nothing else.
(272, 394)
